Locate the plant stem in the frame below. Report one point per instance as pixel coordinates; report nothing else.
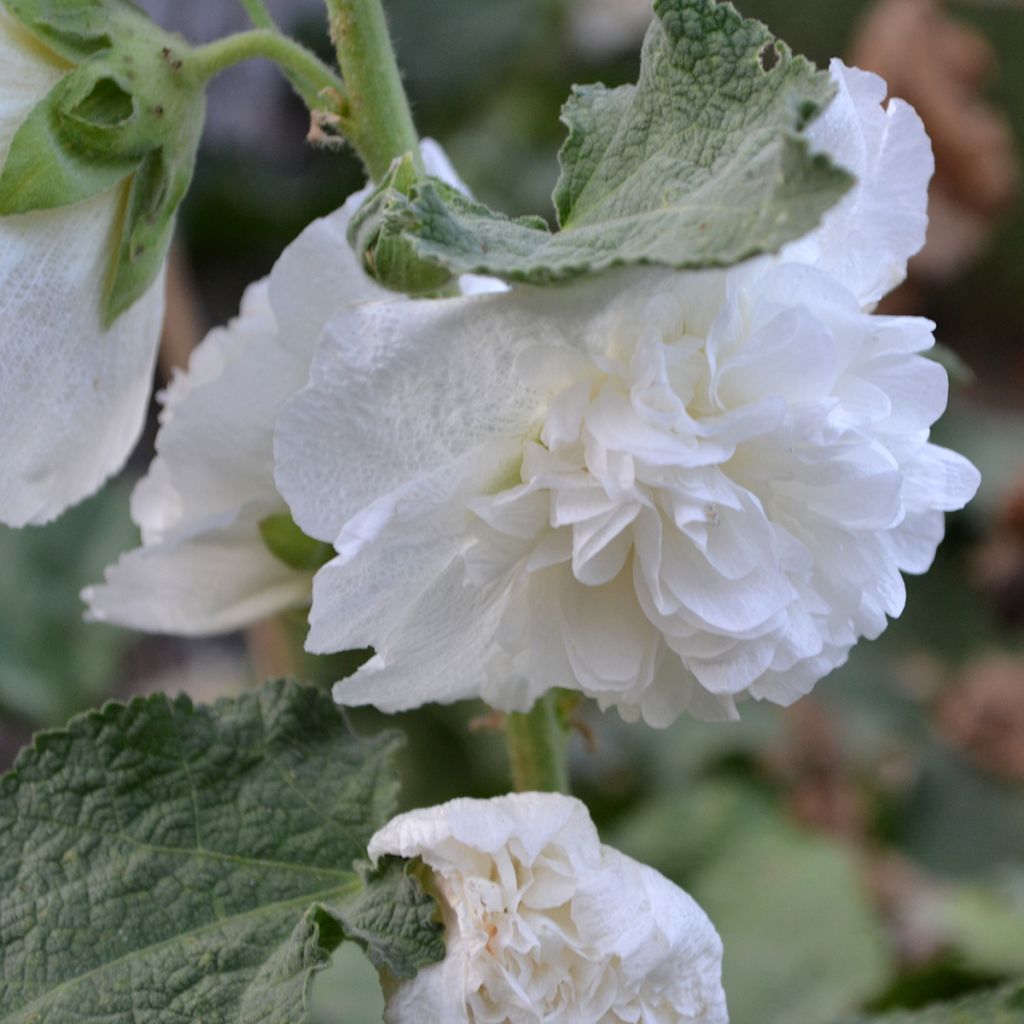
(258, 13)
(309, 75)
(377, 120)
(536, 748)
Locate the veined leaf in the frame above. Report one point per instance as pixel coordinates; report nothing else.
(701, 163)
(155, 859)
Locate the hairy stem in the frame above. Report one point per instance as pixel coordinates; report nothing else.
(312, 79)
(258, 13)
(537, 748)
(377, 120)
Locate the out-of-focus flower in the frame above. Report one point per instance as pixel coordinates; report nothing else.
(546, 924)
(997, 565)
(665, 490)
(983, 715)
(939, 65)
(73, 393)
(203, 566)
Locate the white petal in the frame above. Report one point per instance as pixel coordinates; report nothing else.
(939, 479)
(214, 581)
(392, 553)
(398, 390)
(532, 819)
(435, 652)
(215, 446)
(867, 238)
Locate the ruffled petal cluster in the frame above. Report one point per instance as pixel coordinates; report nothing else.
(73, 393)
(666, 490)
(203, 567)
(546, 924)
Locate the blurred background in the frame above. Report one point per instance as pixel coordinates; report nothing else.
(863, 849)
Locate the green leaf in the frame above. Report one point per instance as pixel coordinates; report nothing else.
(802, 941)
(801, 937)
(1003, 1006)
(155, 857)
(42, 682)
(701, 163)
(288, 544)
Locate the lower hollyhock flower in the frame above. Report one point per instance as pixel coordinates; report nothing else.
(546, 924)
(203, 566)
(73, 393)
(665, 490)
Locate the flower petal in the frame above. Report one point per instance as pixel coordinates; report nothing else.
(213, 581)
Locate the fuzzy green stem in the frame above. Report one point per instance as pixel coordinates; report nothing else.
(258, 13)
(312, 79)
(537, 748)
(377, 119)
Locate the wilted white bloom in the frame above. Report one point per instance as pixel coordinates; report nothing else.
(544, 924)
(203, 566)
(73, 394)
(663, 489)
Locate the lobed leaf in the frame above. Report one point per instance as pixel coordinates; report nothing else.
(155, 858)
(701, 163)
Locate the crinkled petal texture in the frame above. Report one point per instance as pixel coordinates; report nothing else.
(547, 926)
(73, 394)
(866, 240)
(665, 490)
(203, 567)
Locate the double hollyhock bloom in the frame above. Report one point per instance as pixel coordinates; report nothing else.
(666, 490)
(73, 393)
(545, 924)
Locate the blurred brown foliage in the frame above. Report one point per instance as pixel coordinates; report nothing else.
(940, 66)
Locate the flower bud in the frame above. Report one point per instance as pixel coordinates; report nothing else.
(378, 234)
(546, 924)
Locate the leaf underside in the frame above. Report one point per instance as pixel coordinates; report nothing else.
(701, 163)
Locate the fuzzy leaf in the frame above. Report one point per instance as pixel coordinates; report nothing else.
(701, 163)
(155, 858)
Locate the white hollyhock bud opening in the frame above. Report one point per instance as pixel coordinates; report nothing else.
(546, 924)
(665, 490)
(73, 394)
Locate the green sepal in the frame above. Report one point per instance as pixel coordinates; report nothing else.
(77, 29)
(288, 544)
(702, 163)
(46, 168)
(131, 111)
(378, 233)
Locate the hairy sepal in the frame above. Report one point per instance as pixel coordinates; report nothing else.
(129, 110)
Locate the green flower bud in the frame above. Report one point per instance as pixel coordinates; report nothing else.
(380, 233)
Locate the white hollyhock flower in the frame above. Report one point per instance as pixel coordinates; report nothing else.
(203, 566)
(665, 490)
(544, 924)
(73, 394)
